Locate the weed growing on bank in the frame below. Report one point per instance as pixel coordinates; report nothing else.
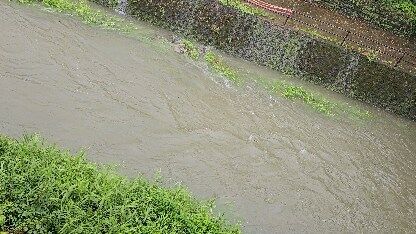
(296, 92)
(216, 63)
(47, 190)
(190, 49)
(316, 101)
(87, 14)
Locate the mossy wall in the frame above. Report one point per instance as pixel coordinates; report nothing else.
(356, 76)
(256, 39)
(385, 87)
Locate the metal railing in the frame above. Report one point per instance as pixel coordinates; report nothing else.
(399, 56)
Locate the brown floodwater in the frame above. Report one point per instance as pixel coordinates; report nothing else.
(274, 164)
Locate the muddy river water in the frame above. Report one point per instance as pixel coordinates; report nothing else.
(273, 164)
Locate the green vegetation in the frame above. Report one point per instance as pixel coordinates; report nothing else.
(46, 190)
(89, 15)
(316, 101)
(191, 49)
(244, 7)
(296, 92)
(222, 68)
(406, 7)
(398, 16)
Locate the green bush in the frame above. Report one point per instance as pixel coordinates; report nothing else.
(398, 16)
(46, 190)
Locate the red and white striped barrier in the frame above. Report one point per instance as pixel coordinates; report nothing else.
(271, 7)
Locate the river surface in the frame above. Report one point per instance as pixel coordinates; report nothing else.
(274, 164)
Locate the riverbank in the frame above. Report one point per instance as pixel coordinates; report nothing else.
(47, 190)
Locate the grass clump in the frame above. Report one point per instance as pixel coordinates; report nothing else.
(296, 92)
(191, 49)
(87, 14)
(316, 101)
(244, 7)
(46, 190)
(221, 67)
